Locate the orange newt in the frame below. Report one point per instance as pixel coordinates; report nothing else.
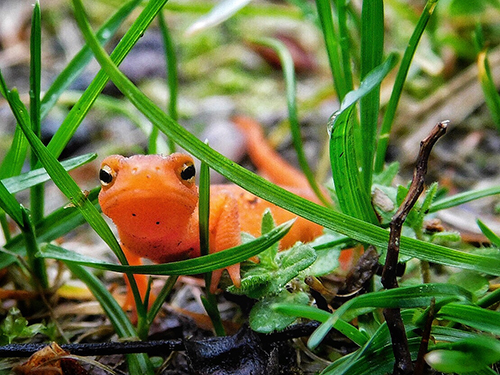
(153, 201)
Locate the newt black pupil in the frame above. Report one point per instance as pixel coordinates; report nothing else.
(188, 172)
(105, 176)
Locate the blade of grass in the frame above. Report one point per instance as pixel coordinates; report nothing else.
(344, 43)
(37, 191)
(14, 159)
(461, 198)
(344, 224)
(218, 14)
(160, 298)
(10, 205)
(37, 265)
(81, 108)
(53, 226)
(11, 166)
(390, 113)
(472, 316)
(352, 200)
(485, 78)
(332, 47)
(289, 76)
(343, 151)
(138, 363)
(404, 297)
(76, 66)
(489, 233)
(26, 180)
(372, 50)
(313, 313)
(172, 78)
(209, 302)
(192, 266)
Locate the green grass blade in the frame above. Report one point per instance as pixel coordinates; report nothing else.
(344, 43)
(160, 298)
(209, 302)
(390, 113)
(35, 68)
(404, 297)
(37, 265)
(53, 226)
(192, 266)
(291, 99)
(313, 313)
(76, 66)
(16, 155)
(372, 50)
(332, 47)
(81, 108)
(37, 191)
(218, 14)
(352, 200)
(28, 179)
(472, 316)
(489, 88)
(172, 76)
(370, 82)
(341, 223)
(204, 208)
(138, 363)
(10, 205)
(461, 198)
(493, 237)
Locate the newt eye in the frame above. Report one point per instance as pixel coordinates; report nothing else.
(188, 172)
(106, 175)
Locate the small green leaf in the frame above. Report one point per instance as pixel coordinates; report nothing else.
(327, 260)
(472, 316)
(472, 281)
(261, 281)
(468, 355)
(386, 177)
(266, 320)
(267, 257)
(493, 237)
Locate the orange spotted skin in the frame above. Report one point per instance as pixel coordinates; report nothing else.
(153, 201)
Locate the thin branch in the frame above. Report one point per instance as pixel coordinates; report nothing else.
(403, 364)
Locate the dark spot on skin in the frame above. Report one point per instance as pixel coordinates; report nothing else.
(253, 201)
(133, 214)
(157, 223)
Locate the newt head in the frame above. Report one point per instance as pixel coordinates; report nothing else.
(148, 194)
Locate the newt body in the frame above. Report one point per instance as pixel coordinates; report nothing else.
(153, 201)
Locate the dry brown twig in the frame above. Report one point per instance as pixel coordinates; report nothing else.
(403, 364)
